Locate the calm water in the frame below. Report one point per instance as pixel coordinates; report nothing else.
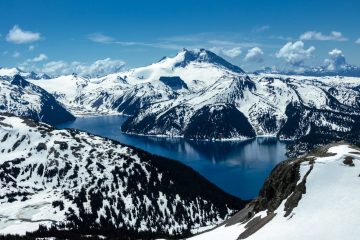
(239, 168)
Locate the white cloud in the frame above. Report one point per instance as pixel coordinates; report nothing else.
(100, 38)
(357, 41)
(295, 53)
(19, 36)
(280, 37)
(254, 55)
(229, 52)
(198, 41)
(333, 36)
(55, 67)
(31, 47)
(97, 68)
(16, 54)
(232, 52)
(262, 28)
(30, 63)
(41, 57)
(336, 61)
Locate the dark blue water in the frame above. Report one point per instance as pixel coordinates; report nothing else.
(239, 168)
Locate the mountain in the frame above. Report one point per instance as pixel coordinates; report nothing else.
(194, 91)
(9, 73)
(23, 98)
(346, 70)
(313, 197)
(78, 183)
(127, 92)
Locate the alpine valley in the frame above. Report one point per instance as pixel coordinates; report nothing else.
(70, 184)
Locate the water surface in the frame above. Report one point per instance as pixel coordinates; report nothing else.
(239, 168)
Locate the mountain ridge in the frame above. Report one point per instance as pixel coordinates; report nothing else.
(165, 99)
(20, 97)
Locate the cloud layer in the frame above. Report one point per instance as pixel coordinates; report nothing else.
(41, 57)
(18, 36)
(96, 69)
(295, 53)
(232, 52)
(100, 38)
(333, 36)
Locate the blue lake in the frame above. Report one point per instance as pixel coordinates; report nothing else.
(239, 168)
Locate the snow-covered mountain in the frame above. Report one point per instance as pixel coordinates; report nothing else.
(23, 98)
(346, 70)
(195, 91)
(79, 182)
(313, 197)
(9, 73)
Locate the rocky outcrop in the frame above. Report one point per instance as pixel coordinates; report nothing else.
(301, 197)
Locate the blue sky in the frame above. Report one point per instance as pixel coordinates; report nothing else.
(251, 34)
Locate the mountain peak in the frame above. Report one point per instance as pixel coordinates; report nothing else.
(204, 56)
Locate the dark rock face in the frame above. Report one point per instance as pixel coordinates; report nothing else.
(349, 161)
(175, 83)
(19, 81)
(279, 185)
(303, 125)
(303, 120)
(210, 122)
(217, 122)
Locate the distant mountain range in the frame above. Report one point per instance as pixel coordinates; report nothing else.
(346, 70)
(199, 95)
(9, 73)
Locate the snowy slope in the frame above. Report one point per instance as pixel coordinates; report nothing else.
(74, 180)
(318, 199)
(22, 98)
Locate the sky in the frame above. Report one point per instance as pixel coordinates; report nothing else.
(59, 36)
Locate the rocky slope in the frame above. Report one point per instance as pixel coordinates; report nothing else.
(22, 98)
(85, 184)
(312, 197)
